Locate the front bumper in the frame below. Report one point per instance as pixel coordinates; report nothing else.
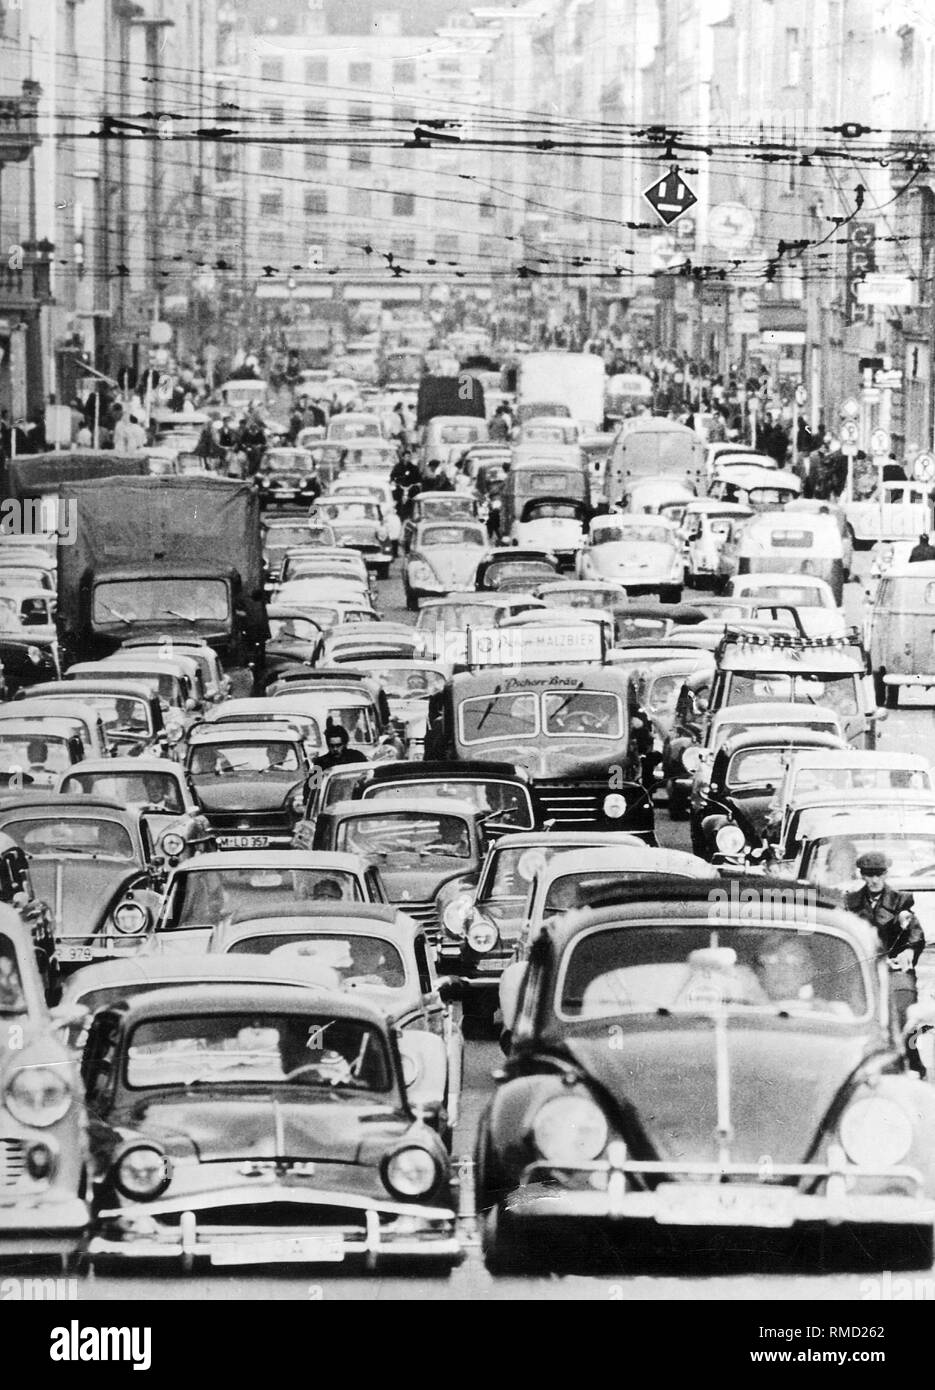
(42, 1225)
(384, 1231)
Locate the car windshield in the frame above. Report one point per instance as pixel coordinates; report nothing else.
(836, 692)
(342, 512)
(401, 684)
(663, 693)
(833, 859)
(12, 998)
(37, 760)
(516, 572)
(458, 434)
(245, 759)
(352, 429)
(793, 595)
(293, 629)
(285, 537)
(72, 836)
(120, 713)
(540, 511)
(574, 597)
(756, 767)
(285, 461)
(592, 712)
(506, 803)
(635, 533)
(815, 779)
(486, 717)
(456, 617)
(452, 535)
(204, 897)
(160, 789)
(141, 600)
(420, 833)
(548, 434)
(640, 629)
(445, 507)
(258, 1049)
(352, 957)
(692, 968)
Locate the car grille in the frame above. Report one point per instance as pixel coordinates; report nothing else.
(569, 803)
(243, 1220)
(12, 1162)
(251, 822)
(424, 913)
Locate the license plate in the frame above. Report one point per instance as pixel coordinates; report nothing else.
(489, 965)
(82, 953)
(294, 1250)
(696, 1204)
(243, 841)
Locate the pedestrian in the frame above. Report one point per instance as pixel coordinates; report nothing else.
(893, 472)
(436, 479)
(899, 932)
(924, 550)
(337, 740)
(129, 435)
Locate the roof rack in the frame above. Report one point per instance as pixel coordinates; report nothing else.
(790, 641)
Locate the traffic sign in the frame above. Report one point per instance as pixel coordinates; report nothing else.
(730, 227)
(850, 409)
(670, 196)
(880, 442)
(849, 432)
(801, 395)
(923, 468)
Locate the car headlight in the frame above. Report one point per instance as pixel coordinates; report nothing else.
(297, 802)
(455, 915)
(131, 918)
(876, 1132)
(422, 573)
(265, 482)
(34, 654)
(570, 1129)
(173, 844)
(174, 733)
(410, 1172)
(691, 758)
(143, 1172)
(37, 1096)
(482, 935)
(730, 839)
(615, 805)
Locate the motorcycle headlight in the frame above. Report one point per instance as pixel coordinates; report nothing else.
(876, 1132)
(173, 844)
(455, 916)
(410, 1172)
(143, 1172)
(37, 1096)
(730, 839)
(615, 806)
(570, 1129)
(482, 935)
(131, 918)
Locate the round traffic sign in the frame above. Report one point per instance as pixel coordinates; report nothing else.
(850, 409)
(801, 395)
(849, 432)
(923, 468)
(880, 442)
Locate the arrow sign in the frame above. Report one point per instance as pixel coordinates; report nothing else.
(670, 197)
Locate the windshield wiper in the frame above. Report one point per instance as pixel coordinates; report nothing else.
(121, 616)
(185, 617)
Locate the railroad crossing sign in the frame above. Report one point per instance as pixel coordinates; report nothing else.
(880, 442)
(923, 468)
(670, 197)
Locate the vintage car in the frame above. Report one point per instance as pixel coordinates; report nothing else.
(299, 1145)
(442, 556)
(93, 861)
(360, 524)
(16, 890)
(40, 710)
(644, 554)
(215, 682)
(689, 1061)
(365, 487)
(761, 489)
(644, 621)
(800, 544)
(370, 454)
(421, 844)
(811, 598)
(282, 534)
(212, 887)
(443, 623)
(131, 712)
(555, 524)
(381, 955)
(650, 447)
(366, 642)
(324, 603)
(166, 677)
(34, 751)
(661, 683)
(157, 788)
(730, 802)
(513, 570)
(43, 1130)
(581, 593)
(352, 425)
(884, 511)
(900, 631)
(248, 781)
(851, 770)
(286, 477)
(708, 527)
(437, 506)
(359, 708)
(408, 683)
(664, 496)
(28, 655)
(824, 841)
(294, 638)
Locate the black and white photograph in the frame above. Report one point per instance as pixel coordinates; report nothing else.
(467, 663)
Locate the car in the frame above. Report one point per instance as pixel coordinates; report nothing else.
(345, 567)
(352, 425)
(513, 569)
(294, 638)
(368, 454)
(34, 751)
(366, 642)
(663, 496)
(286, 476)
(43, 1130)
(827, 839)
(215, 683)
(378, 953)
(131, 712)
(248, 781)
(707, 527)
(358, 482)
(443, 623)
(643, 554)
(210, 888)
(158, 789)
(299, 1145)
(812, 772)
(409, 683)
(28, 655)
(329, 605)
(665, 1040)
(421, 843)
(282, 534)
(93, 861)
(442, 556)
(438, 506)
(581, 593)
(359, 524)
(555, 524)
(168, 677)
(811, 597)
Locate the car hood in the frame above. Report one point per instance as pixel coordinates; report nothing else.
(220, 1128)
(239, 794)
(455, 567)
(782, 1076)
(407, 880)
(571, 758)
(545, 532)
(618, 557)
(87, 887)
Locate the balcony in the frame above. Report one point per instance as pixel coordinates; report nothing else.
(23, 288)
(19, 118)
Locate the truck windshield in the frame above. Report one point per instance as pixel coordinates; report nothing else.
(835, 692)
(142, 600)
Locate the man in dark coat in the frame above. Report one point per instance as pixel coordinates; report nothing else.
(902, 940)
(923, 551)
(339, 750)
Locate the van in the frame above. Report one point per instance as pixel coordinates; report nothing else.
(445, 437)
(779, 543)
(901, 631)
(528, 480)
(647, 447)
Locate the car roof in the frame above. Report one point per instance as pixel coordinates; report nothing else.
(274, 731)
(438, 805)
(218, 998)
(127, 764)
(629, 859)
(919, 569)
(138, 971)
(882, 758)
(864, 820)
(55, 803)
(320, 911)
(771, 712)
(443, 771)
(575, 839)
(311, 859)
(776, 734)
(90, 685)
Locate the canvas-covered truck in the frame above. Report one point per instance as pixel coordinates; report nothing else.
(163, 558)
(449, 395)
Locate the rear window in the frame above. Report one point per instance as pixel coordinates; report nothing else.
(72, 836)
(792, 540)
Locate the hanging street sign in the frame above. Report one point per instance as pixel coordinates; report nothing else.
(670, 197)
(880, 442)
(923, 468)
(850, 433)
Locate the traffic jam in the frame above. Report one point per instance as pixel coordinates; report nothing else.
(524, 730)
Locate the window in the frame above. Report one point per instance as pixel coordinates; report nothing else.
(271, 70)
(358, 202)
(359, 158)
(359, 72)
(225, 216)
(485, 248)
(316, 69)
(270, 156)
(275, 114)
(404, 205)
(404, 72)
(226, 164)
(359, 113)
(446, 245)
(316, 159)
(404, 115)
(271, 205)
(404, 246)
(793, 58)
(486, 209)
(316, 202)
(315, 113)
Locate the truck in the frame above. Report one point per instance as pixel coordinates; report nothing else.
(449, 395)
(574, 381)
(164, 557)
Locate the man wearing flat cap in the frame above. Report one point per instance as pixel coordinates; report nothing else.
(902, 940)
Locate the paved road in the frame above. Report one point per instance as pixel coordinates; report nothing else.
(910, 729)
